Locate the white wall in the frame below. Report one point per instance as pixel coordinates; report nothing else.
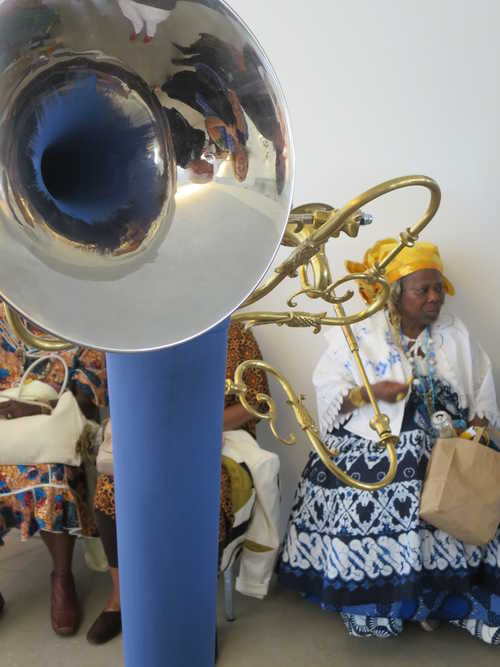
(377, 89)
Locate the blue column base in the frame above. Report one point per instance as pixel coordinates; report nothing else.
(166, 411)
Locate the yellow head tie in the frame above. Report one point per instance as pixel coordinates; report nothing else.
(421, 256)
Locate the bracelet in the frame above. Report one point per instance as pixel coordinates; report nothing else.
(355, 396)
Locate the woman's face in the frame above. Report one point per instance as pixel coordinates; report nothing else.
(422, 297)
(240, 163)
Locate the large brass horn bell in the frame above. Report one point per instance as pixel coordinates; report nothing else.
(146, 167)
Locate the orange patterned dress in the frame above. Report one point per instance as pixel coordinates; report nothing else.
(48, 497)
(242, 346)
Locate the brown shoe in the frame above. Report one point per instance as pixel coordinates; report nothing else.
(64, 612)
(107, 626)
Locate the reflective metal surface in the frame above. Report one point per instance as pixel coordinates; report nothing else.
(146, 167)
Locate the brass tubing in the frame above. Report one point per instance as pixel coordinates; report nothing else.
(324, 232)
(306, 423)
(45, 343)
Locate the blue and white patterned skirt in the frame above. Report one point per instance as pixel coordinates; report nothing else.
(369, 556)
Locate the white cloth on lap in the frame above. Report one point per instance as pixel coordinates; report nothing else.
(460, 362)
(262, 537)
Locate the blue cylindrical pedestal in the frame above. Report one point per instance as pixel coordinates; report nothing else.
(166, 412)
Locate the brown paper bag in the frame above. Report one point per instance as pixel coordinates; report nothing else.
(461, 491)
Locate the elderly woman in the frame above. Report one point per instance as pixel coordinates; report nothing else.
(50, 498)
(367, 554)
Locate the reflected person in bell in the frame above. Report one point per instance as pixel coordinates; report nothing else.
(240, 70)
(206, 91)
(146, 16)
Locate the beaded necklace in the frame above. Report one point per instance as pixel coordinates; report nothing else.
(425, 386)
(426, 389)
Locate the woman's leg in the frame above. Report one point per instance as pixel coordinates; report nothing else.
(106, 526)
(109, 623)
(129, 10)
(65, 611)
(153, 17)
(61, 547)
(113, 603)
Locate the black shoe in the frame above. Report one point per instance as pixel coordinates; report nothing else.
(2, 603)
(107, 626)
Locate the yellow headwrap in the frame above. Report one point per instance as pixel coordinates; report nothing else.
(421, 256)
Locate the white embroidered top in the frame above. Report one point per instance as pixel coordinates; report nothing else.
(460, 362)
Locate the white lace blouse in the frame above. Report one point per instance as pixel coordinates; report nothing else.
(460, 362)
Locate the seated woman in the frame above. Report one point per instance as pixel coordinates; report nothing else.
(206, 91)
(367, 554)
(50, 498)
(241, 346)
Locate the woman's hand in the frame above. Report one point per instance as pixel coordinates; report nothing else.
(479, 422)
(391, 392)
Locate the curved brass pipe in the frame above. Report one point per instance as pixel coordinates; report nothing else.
(307, 424)
(45, 343)
(296, 234)
(344, 220)
(318, 264)
(310, 251)
(318, 320)
(337, 218)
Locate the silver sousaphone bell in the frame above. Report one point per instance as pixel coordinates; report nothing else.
(146, 172)
(146, 167)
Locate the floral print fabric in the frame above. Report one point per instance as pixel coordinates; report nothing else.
(48, 497)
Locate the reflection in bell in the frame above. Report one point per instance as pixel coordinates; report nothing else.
(145, 183)
(94, 167)
(145, 18)
(98, 132)
(79, 138)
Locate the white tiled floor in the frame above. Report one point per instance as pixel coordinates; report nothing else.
(281, 631)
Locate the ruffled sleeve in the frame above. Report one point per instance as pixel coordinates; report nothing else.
(484, 401)
(333, 379)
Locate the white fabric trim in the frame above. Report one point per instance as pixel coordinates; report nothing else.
(460, 362)
(256, 569)
(26, 489)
